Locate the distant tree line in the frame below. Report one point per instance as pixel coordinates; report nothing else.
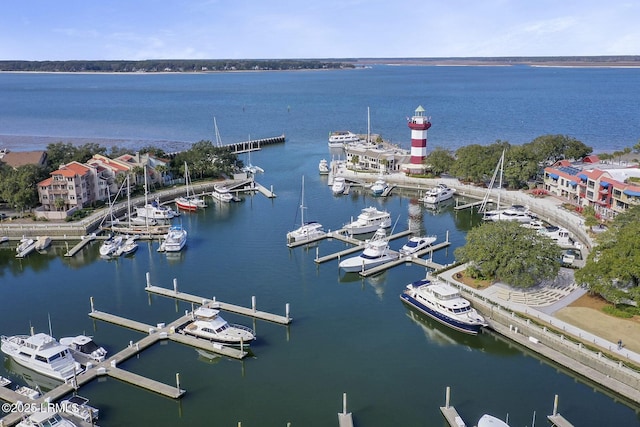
(154, 66)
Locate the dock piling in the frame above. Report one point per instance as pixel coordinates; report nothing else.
(175, 285)
(253, 303)
(178, 381)
(286, 311)
(555, 405)
(447, 397)
(148, 276)
(91, 302)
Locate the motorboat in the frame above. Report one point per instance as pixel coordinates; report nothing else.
(559, 235)
(28, 392)
(339, 138)
(4, 239)
(84, 349)
(45, 419)
(339, 185)
(369, 220)
(438, 194)
(517, 213)
(175, 239)
(79, 407)
(128, 247)
(41, 353)
(208, 324)
(443, 303)
(310, 230)
(110, 246)
(416, 244)
(490, 421)
(4, 382)
(155, 210)
(378, 188)
(323, 167)
(25, 242)
(376, 252)
(42, 243)
(222, 197)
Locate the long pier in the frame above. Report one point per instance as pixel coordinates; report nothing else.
(251, 312)
(255, 144)
(84, 241)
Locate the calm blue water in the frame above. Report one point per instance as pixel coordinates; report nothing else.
(349, 334)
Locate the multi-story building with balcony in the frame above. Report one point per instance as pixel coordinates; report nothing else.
(72, 186)
(610, 189)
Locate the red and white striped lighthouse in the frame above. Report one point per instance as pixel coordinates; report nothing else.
(419, 124)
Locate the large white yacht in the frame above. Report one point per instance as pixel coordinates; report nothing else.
(443, 303)
(41, 353)
(517, 213)
(416, 244)
(45, 419)
(338, 186)
(376, 252)
(368, 221)
(210, 325)
(175, 240)
(438, 194)
(339, 138)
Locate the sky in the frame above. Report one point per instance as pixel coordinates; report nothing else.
(283, 29)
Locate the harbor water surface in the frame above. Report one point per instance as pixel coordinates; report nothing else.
(349, 334)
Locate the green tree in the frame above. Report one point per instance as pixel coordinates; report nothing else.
(476, 163)
(506, 252)
(18, 187)
(612, 269)
(440, 160)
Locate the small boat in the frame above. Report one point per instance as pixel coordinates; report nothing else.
(25, 242)
(339, 138)
(438, 194)
(4, 382)
(559, 235)
(307, 230)
(110, 246)
(4, 239)
(42, 243)
(27, 392)
(338, 186)
(369, 220)
(416, 244)
(443, 303)
(78, 406)
(128, 247)
(517, 213)
(45, 419)
(175, 240)
(84, 349)
(323, 167)
(490, 421)
(375, 253)
(378, 188)
(222, 197)
(210, 325)
(41, 353)
(190, 202)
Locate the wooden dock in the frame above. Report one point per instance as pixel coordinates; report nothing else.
(84, 241)
(359, 244)
(449, 412)
(468, 205)
(264, 190)
(146, 383)
(251, 312)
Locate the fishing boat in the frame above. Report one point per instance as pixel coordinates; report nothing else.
(208, 324)
(308, 230)
(443, 303)
(338, 186)
(323, 167)
(438, 194)
(84, 349)
(376, 252)
(41, 353)
(369, 220)
(416, 244)
(175, 240)
(339, 138)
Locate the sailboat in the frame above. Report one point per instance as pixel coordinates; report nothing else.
(308, 230)
(249, 168)
(153, 210)
(189, 202)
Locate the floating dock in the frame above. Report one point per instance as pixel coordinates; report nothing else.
(449, 412)
(26, 251)
(84, 241)
(251, 312)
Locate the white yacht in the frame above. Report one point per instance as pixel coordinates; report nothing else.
(378, 188)
(110, 246)
(416, 244)
(128, 247)
(339, 138)
(559, 235)
(156, 211)
(517, 213)
(443, 303)
(438, 194)
(84, 349)
(222, 197)
(42, 243)
(308, 230)
(25, 242)
(210, 325)
(45, 419)
(175, 240)
(78, 406)
(323, 167)
(41, 353)
(339, 185)
(376, 252)
(368, 221)
(490, 421)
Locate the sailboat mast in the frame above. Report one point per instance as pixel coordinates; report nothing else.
(302, 202)
(500, 180)
(368, 126)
